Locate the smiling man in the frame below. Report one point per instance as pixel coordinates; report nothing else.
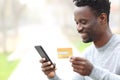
(101, 59)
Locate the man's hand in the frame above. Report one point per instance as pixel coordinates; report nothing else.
(48, 68)
(81, 65)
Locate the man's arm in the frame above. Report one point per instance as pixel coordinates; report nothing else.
(76, 76)
(55, 78)
(83, 67)
(103, 74)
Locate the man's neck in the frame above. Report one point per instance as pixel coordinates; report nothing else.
(103, 40)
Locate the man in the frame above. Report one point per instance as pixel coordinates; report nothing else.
(101, 59)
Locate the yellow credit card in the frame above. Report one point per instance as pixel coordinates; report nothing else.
(64, 52)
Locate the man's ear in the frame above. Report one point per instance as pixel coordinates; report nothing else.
(103, 18)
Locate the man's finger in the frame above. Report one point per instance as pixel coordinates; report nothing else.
(77, 59)
(42, 60)
(46, 64)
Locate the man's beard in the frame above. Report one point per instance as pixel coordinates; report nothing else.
(90, 39)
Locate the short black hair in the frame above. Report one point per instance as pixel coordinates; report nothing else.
(99, 6)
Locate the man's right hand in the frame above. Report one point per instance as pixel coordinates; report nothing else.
(48, 68)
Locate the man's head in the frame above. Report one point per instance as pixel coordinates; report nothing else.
(97, 6)
(91, 17)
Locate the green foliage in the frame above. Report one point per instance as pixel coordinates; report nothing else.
(6, 67)
(81, 46)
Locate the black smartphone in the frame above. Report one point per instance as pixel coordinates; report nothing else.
(42, 53)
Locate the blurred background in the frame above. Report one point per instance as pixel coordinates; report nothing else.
(23, 21)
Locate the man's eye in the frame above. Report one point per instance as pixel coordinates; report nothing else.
(83, 21)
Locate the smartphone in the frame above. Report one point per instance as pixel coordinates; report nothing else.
(42, 53)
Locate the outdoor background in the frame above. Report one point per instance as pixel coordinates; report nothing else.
(22, 22)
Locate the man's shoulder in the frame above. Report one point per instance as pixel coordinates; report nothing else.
(117, 36)
(117, 39)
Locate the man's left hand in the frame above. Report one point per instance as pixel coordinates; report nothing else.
(81, 65)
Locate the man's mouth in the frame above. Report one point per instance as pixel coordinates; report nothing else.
(84, 35)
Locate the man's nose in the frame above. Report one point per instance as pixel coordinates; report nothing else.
(79, 28)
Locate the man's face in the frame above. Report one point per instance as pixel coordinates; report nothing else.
(87, 24)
